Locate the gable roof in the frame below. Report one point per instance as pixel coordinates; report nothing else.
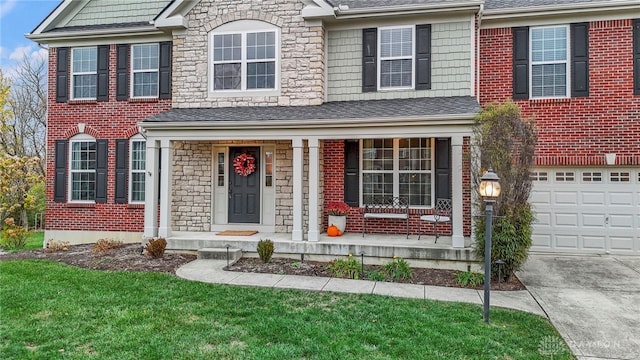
(338, 112)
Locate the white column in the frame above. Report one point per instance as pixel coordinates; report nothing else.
(457, 229)
(166, 156)
(314, 173)
(151, 190)
(298, 195)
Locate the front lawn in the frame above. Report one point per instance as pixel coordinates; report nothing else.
(35, 240)
(51, 310)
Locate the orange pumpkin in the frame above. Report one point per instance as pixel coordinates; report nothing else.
(333, 231)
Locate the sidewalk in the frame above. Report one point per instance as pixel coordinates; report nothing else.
(211, 271)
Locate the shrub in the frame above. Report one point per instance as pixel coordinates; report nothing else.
(398, 269)
(469, 278)
(55, 246)
(265, 250)
(13, 236)
(104, 245)
(341, 268)
(155, 248)
(377, 276)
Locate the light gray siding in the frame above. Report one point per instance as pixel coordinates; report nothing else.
(450, 66)
(99, 12)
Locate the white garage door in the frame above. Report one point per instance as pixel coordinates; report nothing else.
(589, 210)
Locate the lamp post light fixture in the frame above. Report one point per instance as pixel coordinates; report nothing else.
(489, 190)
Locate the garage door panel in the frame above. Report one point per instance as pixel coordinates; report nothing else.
(542, 241)
(593, 198)
(623, 221)
(540, 198)
(563, 219)
(566, 198)
(543, 219)
(621, 198)
(593, 220)
(624, 244)
(567, 241)
(594, 242)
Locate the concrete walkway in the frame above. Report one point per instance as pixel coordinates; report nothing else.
(593, 301)
(210, 271)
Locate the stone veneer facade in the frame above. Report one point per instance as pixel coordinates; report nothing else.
(301, 61)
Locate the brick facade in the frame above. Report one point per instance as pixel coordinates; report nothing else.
(109, 120)
(575, 131)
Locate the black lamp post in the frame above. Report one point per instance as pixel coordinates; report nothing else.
(489, 190)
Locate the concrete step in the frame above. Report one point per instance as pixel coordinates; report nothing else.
(219, 254)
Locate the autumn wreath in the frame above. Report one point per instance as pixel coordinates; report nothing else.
(244, 164)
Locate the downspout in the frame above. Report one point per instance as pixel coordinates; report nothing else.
(480, 11)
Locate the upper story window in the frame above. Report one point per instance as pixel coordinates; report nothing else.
(549, 62)
(84, 72)
(82, 168)
(244, 57)
(137, 167)
(145, 60)
(396, 58)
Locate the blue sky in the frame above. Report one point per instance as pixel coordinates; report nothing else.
(18, 17)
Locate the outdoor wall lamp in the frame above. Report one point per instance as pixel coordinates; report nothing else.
(489, 190)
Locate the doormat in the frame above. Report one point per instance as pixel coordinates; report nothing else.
(237, 232)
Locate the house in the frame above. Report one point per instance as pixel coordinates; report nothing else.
(171, 118)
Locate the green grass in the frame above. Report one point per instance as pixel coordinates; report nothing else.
(35, 241)
(51, 310)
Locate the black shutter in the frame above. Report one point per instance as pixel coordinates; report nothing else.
(122, 158)
(164, 76)
(352, 172)
(580, 60)
(520, 62)
(636, 56)
(102, 154)
(122, 72)
(60, 178)
(103, 73)
(423, 57)
(443, 168)
(369, 60)
(62, 75)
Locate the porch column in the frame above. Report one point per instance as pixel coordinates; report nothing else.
(165, 188)
(457, 229)
(151, 190)
(314, 164)
(298, 195)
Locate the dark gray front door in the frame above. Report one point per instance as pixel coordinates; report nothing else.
(244, 191)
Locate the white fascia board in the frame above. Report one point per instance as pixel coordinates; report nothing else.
(173, 16)
(317, 9)
(61, 11)
(469, 6)
(608, 10)
(77, 37)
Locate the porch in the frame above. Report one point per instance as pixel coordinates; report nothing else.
(377, 248)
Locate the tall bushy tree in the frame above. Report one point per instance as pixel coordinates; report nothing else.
(506, 143)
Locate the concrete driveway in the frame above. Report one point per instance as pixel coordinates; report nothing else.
(593, 301)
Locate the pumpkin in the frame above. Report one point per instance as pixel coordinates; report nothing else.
(333, 231)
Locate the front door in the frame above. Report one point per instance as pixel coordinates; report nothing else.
(244, 188)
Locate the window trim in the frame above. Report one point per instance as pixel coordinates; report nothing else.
(81, 138)
(567, 62)
(132, 72)
(380, 58)
(243, 27)
(73, 74)
(136, 138)
(396, 171)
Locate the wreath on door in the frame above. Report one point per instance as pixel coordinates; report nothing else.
(244, 164)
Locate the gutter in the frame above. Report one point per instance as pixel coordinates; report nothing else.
(343, 12)
(102, 33)
(568, 9)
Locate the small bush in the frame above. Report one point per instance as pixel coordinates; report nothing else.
(377, 276)
(469, 278)
(14, 237)
(265, 250)
(341, 268)
(155, 248)
(398, 269)
(104, 245)
(55, 246)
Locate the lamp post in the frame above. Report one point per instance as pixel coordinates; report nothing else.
(489, 190)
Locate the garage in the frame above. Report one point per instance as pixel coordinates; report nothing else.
(586, 210)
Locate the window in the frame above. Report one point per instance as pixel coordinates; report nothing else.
(221, 169)
(591, 176)
(137, 166)
(145, 60)
(397, 168)
(244, 60)
(620, 176)
(549, 65)
(83, 168)
(396, 57)
(539, 176)
(84, 72)
(562, 176)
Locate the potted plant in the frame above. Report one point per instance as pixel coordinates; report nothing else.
(338, 211)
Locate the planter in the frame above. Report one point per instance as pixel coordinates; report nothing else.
(340, 221)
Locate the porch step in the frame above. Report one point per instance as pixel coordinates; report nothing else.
(219, 254)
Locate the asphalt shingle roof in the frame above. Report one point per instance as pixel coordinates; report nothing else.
(339, 110)
(364, 4)
(508, 4)
(101, 27)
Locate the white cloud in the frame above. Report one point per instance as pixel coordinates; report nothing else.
(6, 7)
(20, 52)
